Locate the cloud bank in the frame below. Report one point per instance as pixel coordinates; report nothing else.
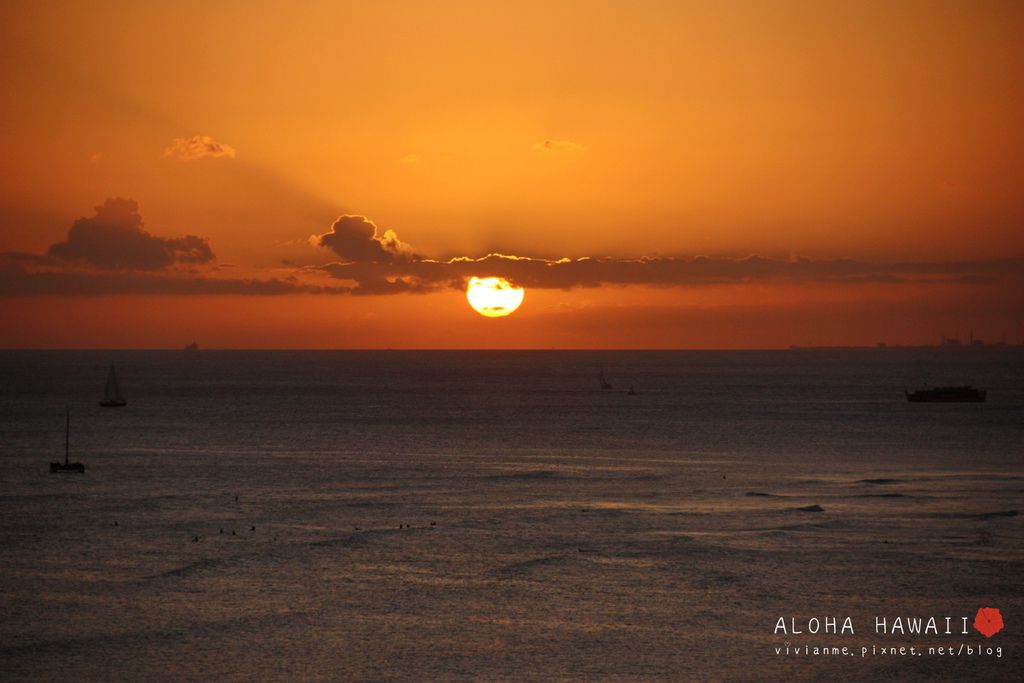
(112, 253)
(114, 239)
(20, 275)
(426, 275)
(384, 265)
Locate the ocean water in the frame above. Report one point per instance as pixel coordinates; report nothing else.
(417, 516)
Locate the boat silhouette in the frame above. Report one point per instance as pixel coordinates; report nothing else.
(605, 384)
(67, 466)
(112, 397)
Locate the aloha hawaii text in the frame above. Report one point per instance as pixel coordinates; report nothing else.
(900, 626)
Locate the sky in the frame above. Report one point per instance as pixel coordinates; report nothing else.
(654, 174)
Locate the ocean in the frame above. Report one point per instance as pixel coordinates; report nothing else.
(472, 515)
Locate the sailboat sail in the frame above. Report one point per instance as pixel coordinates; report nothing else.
(112, 391)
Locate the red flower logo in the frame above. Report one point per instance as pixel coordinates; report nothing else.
(988, 621)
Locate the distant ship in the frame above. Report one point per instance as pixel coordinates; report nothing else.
(66, 466)
(112, 397)
(192, 347)
(964, 394)
(605, 384)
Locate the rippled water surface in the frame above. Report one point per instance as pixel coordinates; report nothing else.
(496, 515)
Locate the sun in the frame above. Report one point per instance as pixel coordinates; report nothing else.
(493, 296)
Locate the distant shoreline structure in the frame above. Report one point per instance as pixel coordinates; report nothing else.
(950, 343)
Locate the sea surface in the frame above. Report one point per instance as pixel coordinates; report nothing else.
(420, 516)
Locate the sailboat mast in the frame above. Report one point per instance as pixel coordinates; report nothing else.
(67, 433)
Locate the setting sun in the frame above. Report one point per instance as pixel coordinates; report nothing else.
(493, 297)
(776, 273)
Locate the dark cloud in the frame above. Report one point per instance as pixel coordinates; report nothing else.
(357, 239)
(114, 239)
(30, 275)
(426, 275)
(376, 264)
(111, 253)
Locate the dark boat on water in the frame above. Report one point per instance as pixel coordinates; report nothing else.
(112, 397)
(965, 394)
(66, 466)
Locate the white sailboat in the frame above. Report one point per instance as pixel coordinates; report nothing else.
(112, 397)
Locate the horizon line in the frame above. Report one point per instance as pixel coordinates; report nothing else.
(790, 347)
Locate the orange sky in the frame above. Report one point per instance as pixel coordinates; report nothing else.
(872, 134)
